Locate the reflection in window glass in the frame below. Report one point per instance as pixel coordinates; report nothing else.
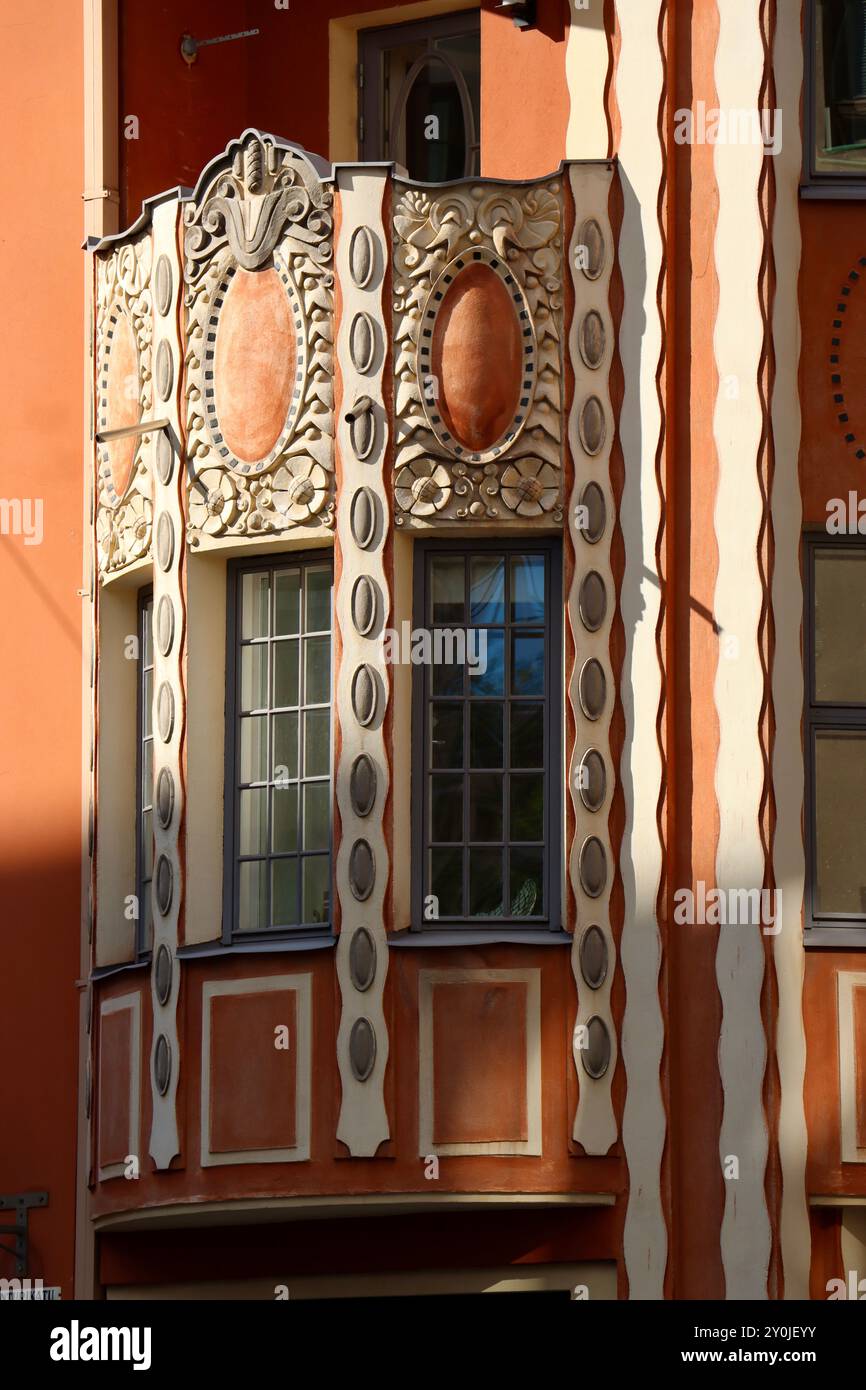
(839, 86)
(487, 734)
(283, 748)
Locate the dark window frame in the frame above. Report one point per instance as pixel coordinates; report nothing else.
(371, 44)
(814, 183)
(502, 927)
(832, 929)
(145, 597)
(232, 936)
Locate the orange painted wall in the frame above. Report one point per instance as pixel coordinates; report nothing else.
(41, 367)
(524, 97)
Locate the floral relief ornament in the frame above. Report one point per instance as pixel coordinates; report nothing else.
(124, 517)
(522, 226)
(267, 209)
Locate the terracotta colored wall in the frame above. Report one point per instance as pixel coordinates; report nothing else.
(524, 98)
(41, 367)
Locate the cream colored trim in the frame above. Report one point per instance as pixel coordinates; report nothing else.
(120, 1004)
(587, 63)
(599, 1280)
(118, 677)
(427, 980)
(168, 674)
(99, 57)
(846, 982)
(594, 1122)
(265, 984)
(639, 86)
(363, 1123)
(787, 598)
(739, 685)
(205, 749)
(257, 1211)
(343, 66)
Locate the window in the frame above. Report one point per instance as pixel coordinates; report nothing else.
(836, 96)
(836, 739)
(144, 774)
(486, 828)
(278, 802)
(421, 96)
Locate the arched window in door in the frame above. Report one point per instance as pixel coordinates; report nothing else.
(420, 96)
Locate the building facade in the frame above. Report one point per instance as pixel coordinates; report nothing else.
(454, 821)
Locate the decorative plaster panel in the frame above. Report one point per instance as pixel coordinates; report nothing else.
(259, 343)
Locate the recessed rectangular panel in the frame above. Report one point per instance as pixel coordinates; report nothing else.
(253, 1066)
(479, 1062)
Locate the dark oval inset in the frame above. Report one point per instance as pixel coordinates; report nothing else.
(162, 1064)
(362, 785)
(362, 870)
(164, 797)
(592, 601)
(363, 518)
(593, 867)
(592, 237)
(596, 1055)
(593, 957)
(593, 780)
(362, 959)
(162, 973)
(362, 1049)
(592, 498)
(593, 689)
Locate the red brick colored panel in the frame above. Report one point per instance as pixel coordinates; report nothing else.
(479, 1062)
(252, 1082)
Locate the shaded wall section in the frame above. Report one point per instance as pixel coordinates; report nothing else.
(41, 367)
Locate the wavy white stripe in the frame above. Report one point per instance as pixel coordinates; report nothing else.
(788, 773)
(737, 423)
(639, 86)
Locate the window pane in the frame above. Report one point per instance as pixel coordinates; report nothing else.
(284, 892)
(253, 815)
(490, 679)
(317, 750)
(254, 748)
(146, 653)
(447, 586)
(527, 589)
(446, 809)
(448, 676)
(485, 806)
(317, 815)
(285, 673)
(254, 677)
(287, 603)
(527, 869)
(446, 880)
(487, 589)
(285, 747)
(840, 86)
(317, 878)
(147, 773)
(446, 736)
(147, 704)
(485, 735)
(527, 735)
(284, 825)
(436, 152)
(253, 905)
(527, 807)
(318, 617)
(840, 821)
(527, 664)
(485, 882)
(840, 621)
(147, 844)
(255, 591)
(317, 674)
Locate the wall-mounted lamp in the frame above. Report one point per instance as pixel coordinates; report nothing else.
(522, 12)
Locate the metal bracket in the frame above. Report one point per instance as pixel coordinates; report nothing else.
(20, 1202)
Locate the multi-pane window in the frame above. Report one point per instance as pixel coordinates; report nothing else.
(279, 767)
(487, 719)
(144, 779)
(835, 735)
(837, 86)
